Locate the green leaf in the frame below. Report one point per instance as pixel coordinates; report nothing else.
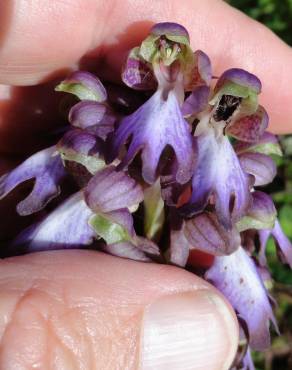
(108, 230)
(153, 211)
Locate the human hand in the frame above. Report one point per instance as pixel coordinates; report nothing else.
(84, 309)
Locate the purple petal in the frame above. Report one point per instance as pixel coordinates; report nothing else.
(196, 101)
(204, 232)
(47, 170)
(82, 147)
(170, 30)
(261, 166)
(138, 75)
(283, 244)
(179, 248)
(84, 85)
(247, 363)
(240, 77)
(152, 127)
(260, 215)
(110, 190)
(66, 227)
(266, 144)
(203, 71)
(126, 250)
(218, 173)
(236, 276)
(93, 116)
(249, 128)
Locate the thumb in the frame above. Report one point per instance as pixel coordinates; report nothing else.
(88, 310)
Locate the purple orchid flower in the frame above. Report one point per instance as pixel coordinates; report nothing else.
(180, 170)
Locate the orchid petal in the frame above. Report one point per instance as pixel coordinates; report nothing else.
(153, 126)
(251, 127)
(236, 276)
(239, 77)
(179, 248)
(66, 227)
(84, 85)
(205, 233)
(266, 144)
(137, 74)
(196, 102)
(173, 31)
(110, 190)
(261, 166)
(126, 250)
(218, 173)
(47, 170)
(283, 244)
(260, 215)
(82, 147)
(93, 116)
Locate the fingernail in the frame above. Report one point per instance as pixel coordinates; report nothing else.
(188, 331)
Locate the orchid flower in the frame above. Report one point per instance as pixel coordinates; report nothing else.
(155, 177)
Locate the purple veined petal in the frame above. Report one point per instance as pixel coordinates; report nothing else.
(179, 248)
(173, 31)
(66, 227)
(47, 170)
(84, 85)
(110, 190)
(126, 250)
(261, 166)
(137, 73)
(196, 101)
(84, 148)
(236, 276)
(240, 77)
(124, 218)
(261, 213)
(218, 174)
(202, 71)
(266, 144)
(152, 127)
(93, 116)
(86, 113)
(283, 244)
(249, 128)
(204, 232)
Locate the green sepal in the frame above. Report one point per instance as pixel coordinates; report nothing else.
(148, 48)
(82, 92)
(111, 232)
(249, 222)
(92, 163)
(264, 148)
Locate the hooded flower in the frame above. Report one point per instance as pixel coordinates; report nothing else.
(159, 122)
(220, 179)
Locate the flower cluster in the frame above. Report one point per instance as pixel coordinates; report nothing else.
(175, 172)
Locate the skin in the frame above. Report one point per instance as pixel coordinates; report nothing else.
(79, 304)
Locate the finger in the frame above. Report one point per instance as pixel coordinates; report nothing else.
(87, 310)
(38, 39)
